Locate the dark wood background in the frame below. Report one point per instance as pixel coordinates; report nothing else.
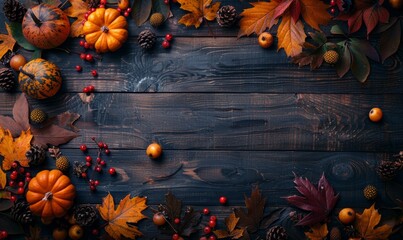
(232, 113)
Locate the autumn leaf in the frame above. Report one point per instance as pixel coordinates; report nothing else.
(7, 42)
(312, 54)
(232, 232)
(77, 10)
(258, 18)
(317, 232)
(200, 9)
(128, 211)
(255, 205)
(390, 37)
(367, 225)
(14, 149)
(318, 201)
(291, 36)
(3, 179)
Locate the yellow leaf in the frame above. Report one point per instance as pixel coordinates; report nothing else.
(77, 10)
(290, 35)
(315, 12)
(128, 211)
(7, 42)
(258, 19)
(318, 232)
(367, 225)
(199, 9)
(14, 149)
(3, 179)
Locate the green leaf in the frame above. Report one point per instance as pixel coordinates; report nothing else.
(343, 65)
(16, 31)
(389, 40)
(359, 64)
(336, 29)
(8, 223)
(365, 47)
(318, 37)
(141, 11)
(161, 7)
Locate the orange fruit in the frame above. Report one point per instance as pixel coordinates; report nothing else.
(375, 114)
(265, 40)
(159, 219)
(76, 232)
(59, 234)
(154, 150)
(17, 61)
(347, 216)
(397, 4)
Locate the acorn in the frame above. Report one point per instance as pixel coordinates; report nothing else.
(62, 163)
(157, 19)
(37, 116)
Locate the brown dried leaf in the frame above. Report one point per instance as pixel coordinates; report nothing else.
(232, 232)
(291, 35)
(367, 225)
(7, 42)
(317, 232)
(14, 149)
(77, 10)
(200, 9)
(53, 135)
(67, 119)
(21, 112)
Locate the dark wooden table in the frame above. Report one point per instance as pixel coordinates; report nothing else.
(232, 113)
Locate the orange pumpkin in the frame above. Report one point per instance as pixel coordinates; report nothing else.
(45, 26)
(50, 194)
(105, 29)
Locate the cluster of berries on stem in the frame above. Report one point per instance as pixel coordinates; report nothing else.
(19, 179)
(89, 89)
(333, 8)
(167, 41)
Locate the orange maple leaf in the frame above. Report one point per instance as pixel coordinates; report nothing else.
(258, 18)
(7, 42)
(315, 13)
(14, 149)
(290, 35)
(367, 225)
(232, 232)
(128, 211)
(199, 9)
(77, 10)
(3, 179)
(317, 232)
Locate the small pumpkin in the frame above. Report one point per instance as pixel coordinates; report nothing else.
(40, 79)
(50, 194)
(105, 29)
(45, 26)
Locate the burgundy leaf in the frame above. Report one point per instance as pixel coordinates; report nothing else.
(371, 18)
(383, 15)
(53, 135)
(296, 10)
(282, 7)
(10, 124)
(67, 119)
(355, 21)
(318, 201)
(21, 112)
(389, 41)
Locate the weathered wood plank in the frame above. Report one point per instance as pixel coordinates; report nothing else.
(314, 122)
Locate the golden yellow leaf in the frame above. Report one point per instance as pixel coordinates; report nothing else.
(318, 232)
(199, 9)
(290, 35)
(315, 12)
(77, 10)
(258, 18)
(14, 149)
(232, 232)
(7, 42)
(128, 211)
(3, 179)
(367, 225)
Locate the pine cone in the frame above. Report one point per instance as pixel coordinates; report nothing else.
(93, 3)
(387, 170)
(227, 16)
(62, 163)
(157, 19)
(21, 212)
(36, 155)
(85, 215)
(331, 57)
(276, 233)
(146, 39)
(370, 192)
(14, 10)
(350, 231)
(37, 116)
(7, 79)
(335, 234)
(5, 60)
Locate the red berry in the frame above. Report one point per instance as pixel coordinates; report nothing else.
(207, 230)
(95, 231)
(206, 211)
(82, 43)
(84, 175)
(107, 151)
(94, 73)
(86, 45)
(212, 237)
(82, 56)
(21, 170)
(169, 37)
(86, 16)
(99, 160)
(112, 171)
(79, 68)
(27, 174)
(21, 184)
(119, 10)
(96, 182)
(93, 188)
(13, 198)
(333, 3)
(14, 164)
(20, 191)
(93, 9)
(89, 57)
(103, 2)
(88, 159)
(91, 182)
(3, 234)
(91, 88)
(332, 10)
(175, 236)
(165, 44)
(203, 238)
(166, 1)
(102, 6)
(213, 218)
(126, 14)
(13, 176)
(27, 179)
(103, 163)
(88, 164)
(86, 90)
(100, 144)
(83, 147)
(14, 173)
(177, 220)
(212, 224)
(128, 10)
(105, 146)
(11, 183)
(98, 169)
(223, 200)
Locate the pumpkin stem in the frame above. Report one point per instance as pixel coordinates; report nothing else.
(47, 196)
(35, 18)
(104, 29)
(30, 75)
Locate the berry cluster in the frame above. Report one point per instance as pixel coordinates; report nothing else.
(167, 41)
(89, 89)
(126, 12)
(19, 179)
(100, 163)
(333, 8)
(3, 234)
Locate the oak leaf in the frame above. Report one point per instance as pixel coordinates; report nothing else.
(14, 149)
(7, 42)
(258, 18)
(77, 10)
(317, 232)
(232, 232)
(367, 225)
(290, 35)
(200, 9)
(318, 201)
(121, 220)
